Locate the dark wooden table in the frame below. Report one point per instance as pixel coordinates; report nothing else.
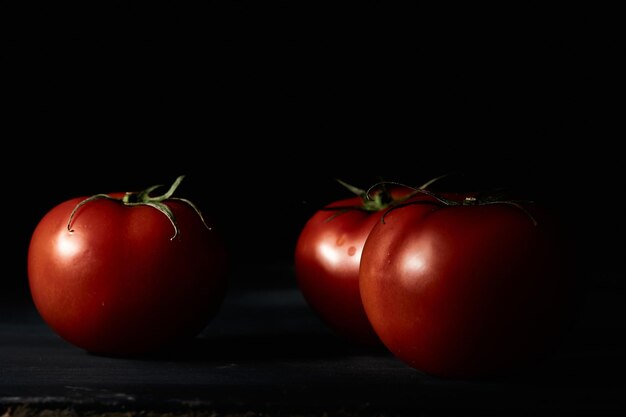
(266, 353)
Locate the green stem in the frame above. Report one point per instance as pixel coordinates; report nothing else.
(143, 198)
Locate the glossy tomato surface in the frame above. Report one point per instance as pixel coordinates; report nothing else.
(116, 281)
(327, 259)
(468, 290)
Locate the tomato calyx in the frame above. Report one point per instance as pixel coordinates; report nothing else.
(478, 199)
(143, 198)
(377, 197)
(370, 201)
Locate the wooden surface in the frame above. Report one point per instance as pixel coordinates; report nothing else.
(266, 353)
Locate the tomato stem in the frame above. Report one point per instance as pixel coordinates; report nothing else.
(467, 201)
(143, 198)
(416, 190)
(377, 197)
(369, 202)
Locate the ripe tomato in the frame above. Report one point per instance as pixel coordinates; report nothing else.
(462, 288)
(127, 273)
(327, 257)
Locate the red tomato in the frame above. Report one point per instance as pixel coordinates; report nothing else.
(468, 290)
(126, 273)
(327, 257)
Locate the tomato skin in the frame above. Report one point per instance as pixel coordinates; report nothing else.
(327, 259)
(118, 284)
(467, 291)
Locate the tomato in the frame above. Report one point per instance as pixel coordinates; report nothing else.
(327, 258)
(127, 273)
(464, 288)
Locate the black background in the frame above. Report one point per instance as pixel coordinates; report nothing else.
(263, 104)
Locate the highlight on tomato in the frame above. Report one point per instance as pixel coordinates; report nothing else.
(328, 254)
(127, 273)
(469, 285)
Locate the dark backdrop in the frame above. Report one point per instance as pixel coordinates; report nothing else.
(263, 105)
